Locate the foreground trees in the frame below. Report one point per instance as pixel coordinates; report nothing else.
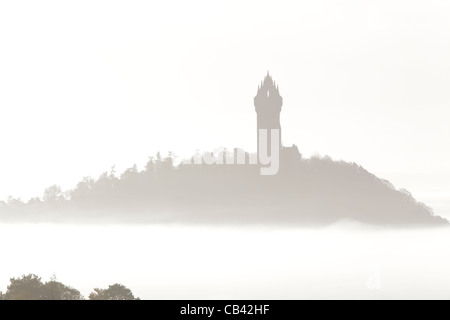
(28, 287)
(31, 287)
(114, 292)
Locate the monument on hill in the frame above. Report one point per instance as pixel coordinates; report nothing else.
(268, 102)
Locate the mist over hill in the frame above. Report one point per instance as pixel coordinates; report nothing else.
(314, 191)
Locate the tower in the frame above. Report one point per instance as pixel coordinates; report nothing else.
(268, 107)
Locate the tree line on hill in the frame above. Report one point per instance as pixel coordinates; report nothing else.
(317, 190)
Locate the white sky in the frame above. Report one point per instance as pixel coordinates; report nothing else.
(85, 85)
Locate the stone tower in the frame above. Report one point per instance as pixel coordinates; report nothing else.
(268, 107)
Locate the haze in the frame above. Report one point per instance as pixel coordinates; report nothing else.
(345, 261)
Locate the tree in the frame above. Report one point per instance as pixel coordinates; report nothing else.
(30, 287)
(150, 166)
(167, 163)
(53, 193)
(25, 288)
(83, 188)
(114, 292)
(14, 202)
(34, 201)
(54, 290)
(130, 173)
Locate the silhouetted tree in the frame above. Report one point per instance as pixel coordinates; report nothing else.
(11, 201)
(54, 290)
(34, 201)
(130, 173)
(114, 292)
(150, 166)
(53, 193)
(28, 287)
(83, 188)
(167, 162)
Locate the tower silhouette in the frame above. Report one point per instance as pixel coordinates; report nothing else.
(268, 107)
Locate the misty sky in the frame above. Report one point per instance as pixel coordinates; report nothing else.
(85, 85)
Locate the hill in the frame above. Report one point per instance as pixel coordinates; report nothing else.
(314, 191)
